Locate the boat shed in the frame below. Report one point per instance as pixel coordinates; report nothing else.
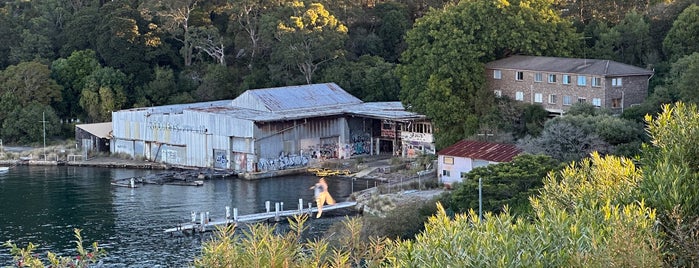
(93, 137)
(270, 129)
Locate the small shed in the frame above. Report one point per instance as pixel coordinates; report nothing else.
(94, 137)
(460, 158)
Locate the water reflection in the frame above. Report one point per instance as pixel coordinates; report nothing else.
(43, 204)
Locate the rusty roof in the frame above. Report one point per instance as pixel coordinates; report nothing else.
(490, 151)
(568, 65)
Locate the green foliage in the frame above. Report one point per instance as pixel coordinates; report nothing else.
(369, 79)
(671, 179)
(25, 257)
(684, 77)
(259, 246)
(442, 70)
(402, 221)
(572, 137)
(504, 185)
(584, 218)
(627, 42)
(30, 82)
(23, 124)
(309, 38)
(683, 37)
(103, 93)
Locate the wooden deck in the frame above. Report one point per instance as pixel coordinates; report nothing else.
(191, 227)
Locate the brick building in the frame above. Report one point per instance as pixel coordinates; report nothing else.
(557, 83)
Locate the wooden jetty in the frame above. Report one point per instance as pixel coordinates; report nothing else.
(204, 223)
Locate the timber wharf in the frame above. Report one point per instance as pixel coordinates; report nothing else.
(205, 224)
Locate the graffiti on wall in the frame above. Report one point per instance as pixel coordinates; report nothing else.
(220, 159)
(170, 156)
(326, 150)
(284, 161)
(360, 144)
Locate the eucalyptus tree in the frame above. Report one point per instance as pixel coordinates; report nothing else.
(309, 38)
(442, 67)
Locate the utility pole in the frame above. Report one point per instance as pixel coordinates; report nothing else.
(480, 199)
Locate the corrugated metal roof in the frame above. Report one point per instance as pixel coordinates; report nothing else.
(495, 152)
(299, 97)
(178, 108)
(568, 65)
(100, 130)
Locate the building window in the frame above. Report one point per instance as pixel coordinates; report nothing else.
(596, 82)
(538, 77)
(538, 98)
(498, 93)
(582, 100)
(519, 96)
(519, 76)
(566, 100)
(464, 175)
(497, 74)
(616, 82)
(597, 102)
(552, 78)
(446, 173)
(582, 80)
(616, 103)
(566, 79)
(552, 99)
(448, 160)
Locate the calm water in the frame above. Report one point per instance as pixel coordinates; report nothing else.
(42, 205)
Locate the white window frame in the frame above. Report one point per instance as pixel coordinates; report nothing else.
(538, 97)
(567, 100)
(566, 79)
(552, 98)
(448, 160)
(617, 82)
(519, 95)
(538, 77)
(498, 93)
(497, 74)
(596, 81)
(519, 75)
(597, 102)
(552, 78)
(582, 100)
(582, 80)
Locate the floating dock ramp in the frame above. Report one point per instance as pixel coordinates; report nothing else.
(204, 224)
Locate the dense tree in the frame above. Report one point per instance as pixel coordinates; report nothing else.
(24, 125)
(684, 77)
(442, 70)
(103, 93)
(370, 78)
(71, 73)
(217, 84)
(504, 184)
(627, 42)
(30, 82)
(309, 39)
(683, 38)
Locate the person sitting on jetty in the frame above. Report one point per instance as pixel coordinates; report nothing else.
(322, 195)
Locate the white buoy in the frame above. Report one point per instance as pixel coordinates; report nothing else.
(194, 216)
(282, 205)
(133, 183)
(267, 206)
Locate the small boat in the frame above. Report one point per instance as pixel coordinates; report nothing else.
(4, 169)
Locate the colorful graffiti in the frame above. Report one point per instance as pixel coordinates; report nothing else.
(360, 144)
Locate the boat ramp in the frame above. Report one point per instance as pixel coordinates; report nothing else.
(204, 223)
